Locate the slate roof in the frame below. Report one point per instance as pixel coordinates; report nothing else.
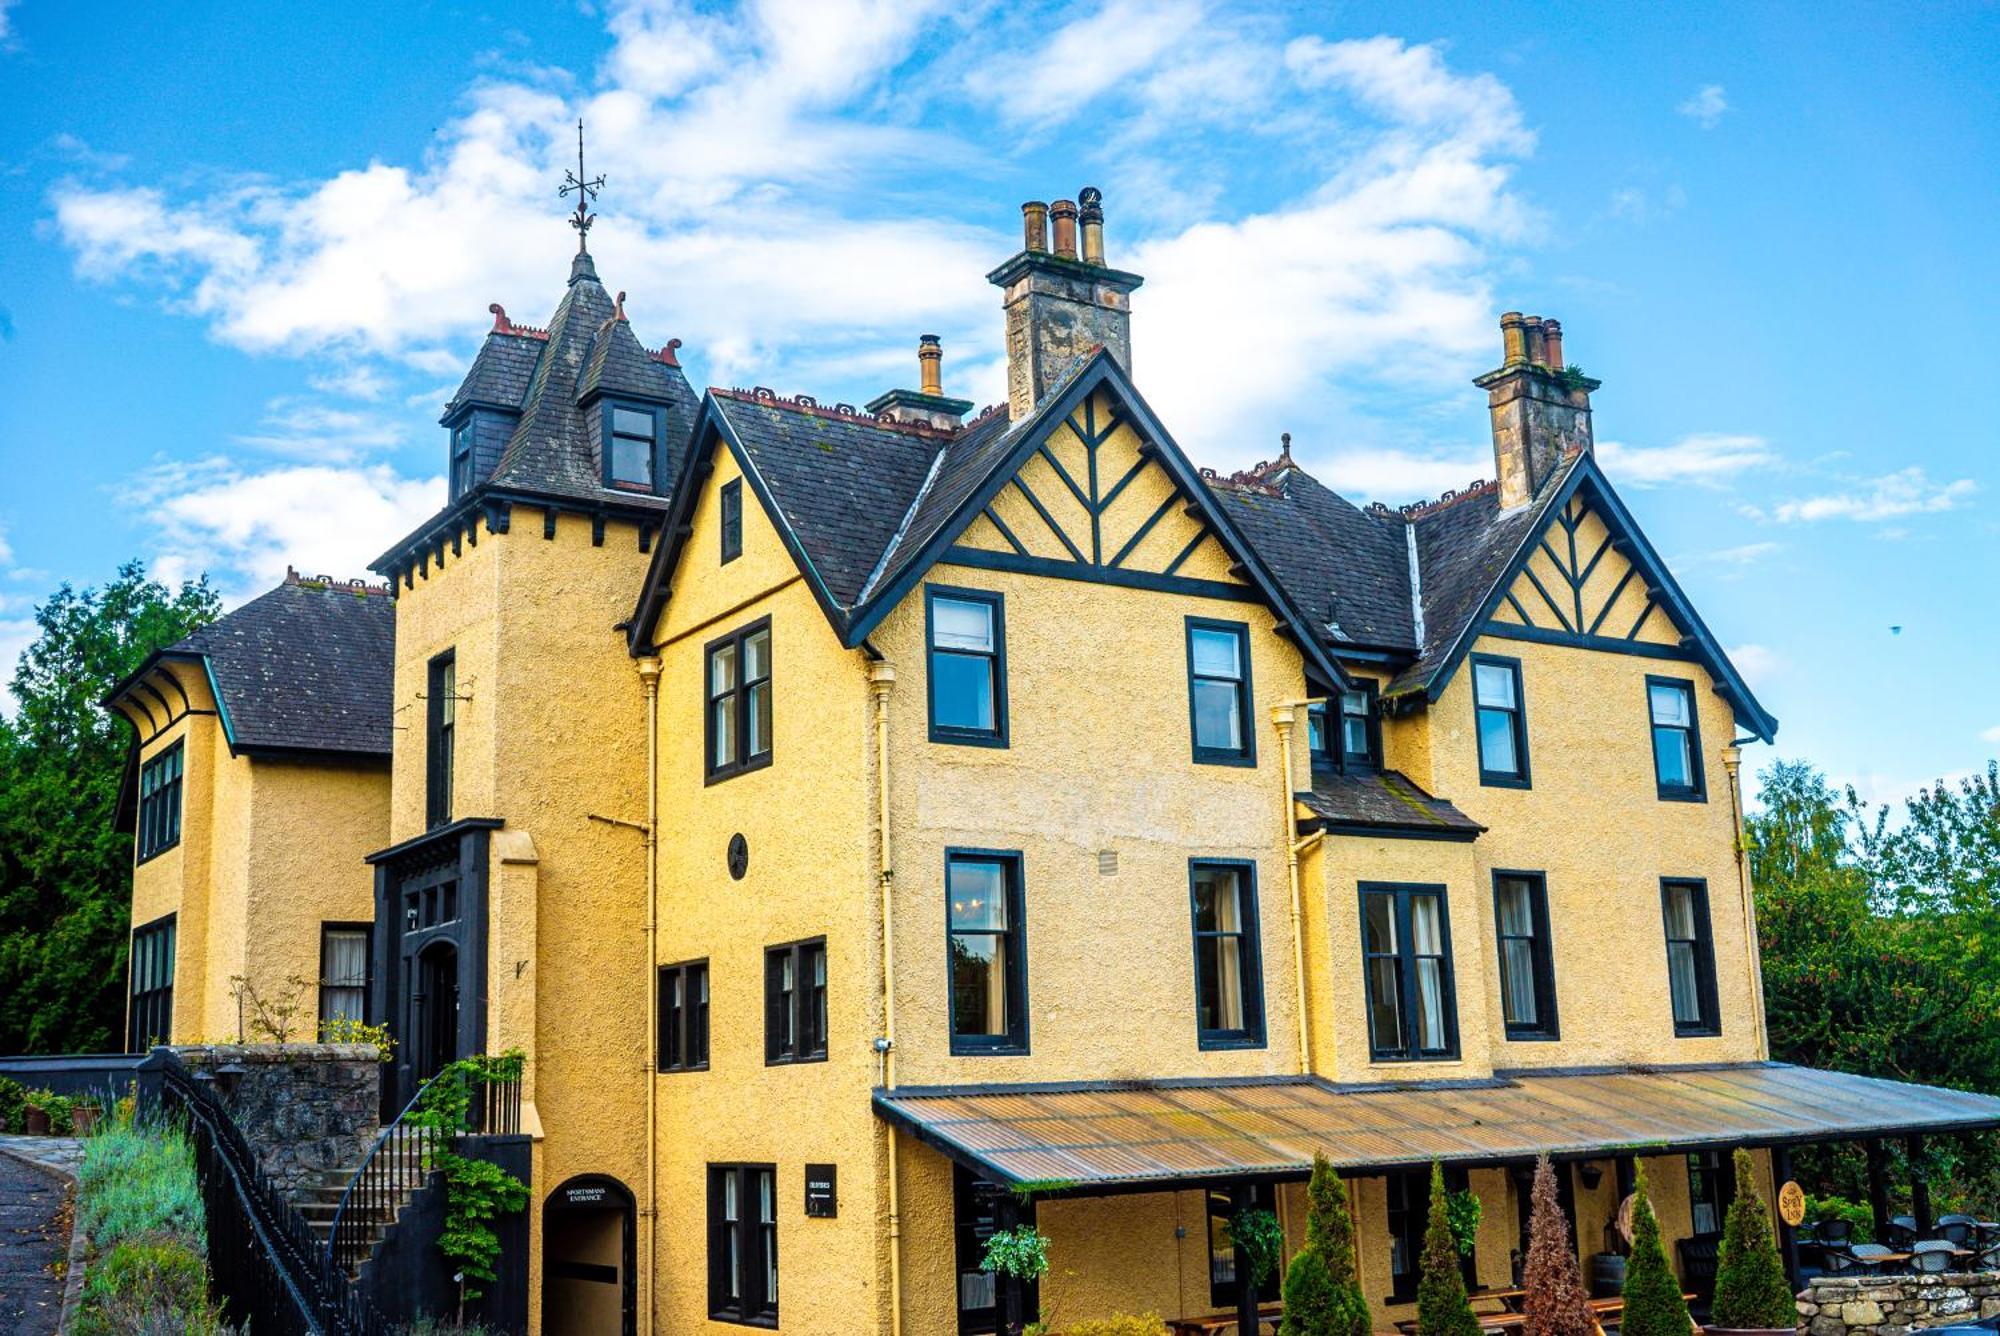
(305, 667)
(844, 482)
(1382, 800)
(500, 374)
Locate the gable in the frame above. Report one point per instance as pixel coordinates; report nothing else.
(1091, 497)
(1586, 576)
(703, 587)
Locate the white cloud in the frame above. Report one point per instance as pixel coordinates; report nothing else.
(1759, 664)
(756, 210)
(1704, 458)
(6, 26)
(244, 526)
(306, 429)
(1705, 106)
(1991, 735)
(1748, 554)
(1398, 476)
(6, 551)
(1891, 496)
(1894, 791)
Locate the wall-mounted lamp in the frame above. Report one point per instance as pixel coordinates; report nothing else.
(1590, 1173)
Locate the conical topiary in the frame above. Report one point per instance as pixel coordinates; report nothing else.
(1750, 1285)
(1653, 1303)
(1322, 1296)
(1556, 1304)
(1442, 1308)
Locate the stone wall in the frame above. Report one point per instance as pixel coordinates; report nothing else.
(1896, 1305)
(307, 1110)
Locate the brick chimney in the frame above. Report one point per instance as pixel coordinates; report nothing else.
(928, 405)
(1540, 407)
(1060, 304)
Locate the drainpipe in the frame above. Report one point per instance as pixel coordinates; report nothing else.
(881, 681)
(1285, 717)
(1732, 761)
(649, 678)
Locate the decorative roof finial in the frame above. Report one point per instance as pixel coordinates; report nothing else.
(586, 189)
(1285, 450)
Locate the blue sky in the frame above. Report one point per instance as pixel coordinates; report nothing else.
(249, 248)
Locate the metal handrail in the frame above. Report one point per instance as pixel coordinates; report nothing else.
(344, 1236)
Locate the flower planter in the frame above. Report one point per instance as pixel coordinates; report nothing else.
(38, 1124)
(83, 1119)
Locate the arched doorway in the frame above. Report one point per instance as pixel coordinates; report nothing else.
(437, 1009)
(589, 1259)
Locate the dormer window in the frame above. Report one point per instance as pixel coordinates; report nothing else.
(1358, 736)
(633, 436)
(461, 459)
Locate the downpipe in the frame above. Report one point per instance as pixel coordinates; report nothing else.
(881, 681)
(649, 678)
(1285, 718)
(1753, 950)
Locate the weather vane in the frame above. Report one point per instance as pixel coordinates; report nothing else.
(586, 189)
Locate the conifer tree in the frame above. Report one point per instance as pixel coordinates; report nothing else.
(1322, 1296)
(1556, 1304)
(1653, 1303)
(1750, 1285)
(1442, 1308)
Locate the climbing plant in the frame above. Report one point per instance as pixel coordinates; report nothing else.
(477, 1192)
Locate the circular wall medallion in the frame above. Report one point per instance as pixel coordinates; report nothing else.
(739, 856)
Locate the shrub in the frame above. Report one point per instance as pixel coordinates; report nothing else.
(1750, 1285)
(13, 1104)
(1119, 1324)
(1256, 1233)
(1322, 1297)
(57, 1107)
(1653, 1303)
(1442, 1308)
(137, 1181)
(1856, 1213)
(1556, 1304)
(152, 1284)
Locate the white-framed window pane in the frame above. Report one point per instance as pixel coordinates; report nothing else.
(1496, 742)
(757, 656)
(1217, 722)
(978, 897)
(1217, 653)
(1670, 706)
(962, 624)
(1495, 685)
(721, 669)
(628, 422)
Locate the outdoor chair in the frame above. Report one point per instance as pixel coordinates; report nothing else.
(1838, 1261)
(1871, 1256)
(1698, 1262)
(1902, 1230)
(1958, 1230)
(1988, 1258)
(1932, 1256)
(1834, 1231)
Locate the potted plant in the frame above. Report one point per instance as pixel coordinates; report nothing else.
(1751, 1293)
(1021, 1252)
(1442, 1308)
(83, 1116)
(47, 1114)
(1555, 1303)
(1653, 1303)
(1322, 1296)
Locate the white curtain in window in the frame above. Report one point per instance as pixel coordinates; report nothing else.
(1228, 952)
(1680, 954)
(1427, 942)
(1517, 953)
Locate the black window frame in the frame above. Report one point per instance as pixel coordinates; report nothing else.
(1015, 1041)
(806, 1006)
(980, 1209)
(160, 797)
(1402, 894)
(1245, 755)
(1252, 1032)
(462, 444)
(740, 694)
(1502, 779)
(611, 437)
(755, 1306)
(440, 737)
(1711, 1183)
(366, 931)
(1709, 1024)
(683, 1024)
(1371, 760)
(150, 1009)
(1697, 791)
(1221, 1208)
(730, 504)
(997, 666)
(1547, 1025)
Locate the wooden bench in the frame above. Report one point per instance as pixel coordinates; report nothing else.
(1214, 1323)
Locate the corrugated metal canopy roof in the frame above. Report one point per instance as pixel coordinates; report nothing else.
(1127, 1135)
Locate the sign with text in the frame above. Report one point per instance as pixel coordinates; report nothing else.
(822, 1191)
(1792, 1204)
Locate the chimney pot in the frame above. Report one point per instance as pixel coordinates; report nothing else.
(1063, 212)
(1035, 226)
(1091, 215)
(1513, 340)
(1538, 353)
(1552, 340)
(930, 362)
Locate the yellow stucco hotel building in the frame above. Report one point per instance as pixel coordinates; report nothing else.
(881, 825)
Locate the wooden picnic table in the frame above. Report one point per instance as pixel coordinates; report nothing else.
(1214, 1323)
(1513, 1319)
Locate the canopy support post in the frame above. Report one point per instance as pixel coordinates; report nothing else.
(1878, 1188)
(1788, 1238)
(1007, 1213)
(1241, 1199)
(1920, 1186)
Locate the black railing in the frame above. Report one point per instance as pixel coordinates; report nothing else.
(399, 1164)
(268, 1269)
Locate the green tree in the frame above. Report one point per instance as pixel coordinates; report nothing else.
(1442, 1308)
(1750, 1285)
(1653, 1303)
(1322, 1295)
(65, 872)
